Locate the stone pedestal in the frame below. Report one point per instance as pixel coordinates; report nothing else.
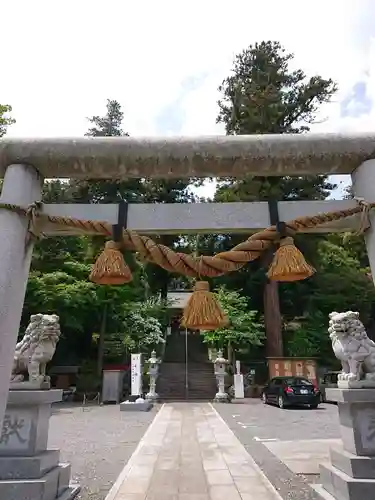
(145, 406)
(28, 471)
(152, 395)
(351, 473)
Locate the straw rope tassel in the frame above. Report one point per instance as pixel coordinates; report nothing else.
(110, 267)
(203, 311)
(289, 263)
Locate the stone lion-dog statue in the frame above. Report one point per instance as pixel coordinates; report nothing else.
(353, 348)
(35, 350)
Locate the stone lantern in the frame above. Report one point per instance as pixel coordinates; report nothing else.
(220, 372)
(153, 371)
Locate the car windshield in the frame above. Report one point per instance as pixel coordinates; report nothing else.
(298, 381)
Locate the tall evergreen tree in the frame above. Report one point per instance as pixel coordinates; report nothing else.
(264, 95)
(109, 125)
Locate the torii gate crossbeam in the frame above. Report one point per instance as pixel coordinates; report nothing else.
(183, 157)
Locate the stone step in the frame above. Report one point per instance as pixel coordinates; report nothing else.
(183, 394)
(180, 368)
(174, 376)
(44, 488)
(172, 379)
(321, 492)
(64, 478)
(70, 493)
(182, 391)
(177, 375)
(41, 484)
(183, 399)
(344, 487)
(205, 380)
(353, 465)
(28, 467)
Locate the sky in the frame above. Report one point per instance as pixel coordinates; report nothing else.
(163, 61)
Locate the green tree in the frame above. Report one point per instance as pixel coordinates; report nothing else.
(134, 191)
(5, 119)
(74, 299)
(244, 329)
(308, 337)
(142, 324)
(52, 252)
(109, 125)
(264, 95)
(341, 282)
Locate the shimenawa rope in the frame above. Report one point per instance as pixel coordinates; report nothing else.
(189, 265)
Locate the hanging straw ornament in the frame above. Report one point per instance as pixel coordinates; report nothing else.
(289, 264)
(110, 267)
(203, 311)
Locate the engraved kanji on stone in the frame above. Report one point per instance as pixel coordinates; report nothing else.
(12, 426)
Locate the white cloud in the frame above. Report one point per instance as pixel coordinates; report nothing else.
(60, 61)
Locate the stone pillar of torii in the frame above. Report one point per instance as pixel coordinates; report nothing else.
(24, 163)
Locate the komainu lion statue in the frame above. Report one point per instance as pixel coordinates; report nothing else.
(352, 347)
(36, 349)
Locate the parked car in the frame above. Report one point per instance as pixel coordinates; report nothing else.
(289, 391)
(329, 381)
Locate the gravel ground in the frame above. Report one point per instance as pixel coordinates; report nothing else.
(267, 422)
(98, 441)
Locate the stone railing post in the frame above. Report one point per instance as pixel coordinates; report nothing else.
(22, 186)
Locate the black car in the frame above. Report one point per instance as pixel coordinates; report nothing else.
(288, 391)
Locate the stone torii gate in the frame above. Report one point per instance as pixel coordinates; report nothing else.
(24, 163)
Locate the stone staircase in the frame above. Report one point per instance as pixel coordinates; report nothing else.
(174, 371)
(201, 383)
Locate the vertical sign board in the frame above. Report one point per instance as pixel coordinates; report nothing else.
(136, 375)
(239, 392)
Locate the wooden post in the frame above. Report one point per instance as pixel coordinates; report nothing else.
(272, 320)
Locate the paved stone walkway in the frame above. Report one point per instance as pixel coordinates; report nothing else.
(189, 453)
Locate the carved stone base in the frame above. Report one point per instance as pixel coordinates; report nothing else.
(145, 406)
(152, 397)
(351, 473)
(221, 397)
(356, 384)
(30, 386)
(27, 469)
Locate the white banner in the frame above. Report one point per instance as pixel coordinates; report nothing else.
(136, 374)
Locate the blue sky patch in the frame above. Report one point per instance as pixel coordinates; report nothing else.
(357, 103)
